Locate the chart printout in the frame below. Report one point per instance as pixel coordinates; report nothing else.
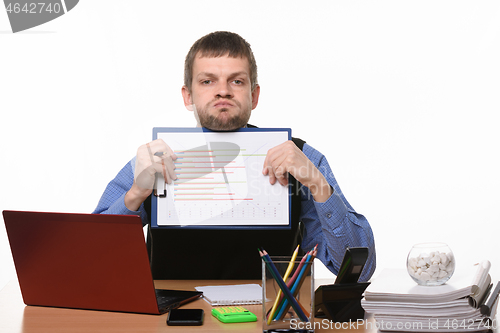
(220, 180)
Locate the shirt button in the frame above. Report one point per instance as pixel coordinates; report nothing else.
(328, 215)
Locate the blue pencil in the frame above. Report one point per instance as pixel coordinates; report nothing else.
(297, 283)
(283, 286)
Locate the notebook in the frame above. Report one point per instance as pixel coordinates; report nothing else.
(86, 261)
(232, 294)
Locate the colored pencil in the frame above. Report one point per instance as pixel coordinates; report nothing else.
(289, 284)
(285, 277)
(282, 285)
(298, 283)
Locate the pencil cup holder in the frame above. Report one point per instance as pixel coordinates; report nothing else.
(291, 310)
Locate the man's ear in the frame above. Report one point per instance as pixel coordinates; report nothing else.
(186, 96)
(255, 96)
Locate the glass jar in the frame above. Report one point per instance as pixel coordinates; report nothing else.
(430, 264)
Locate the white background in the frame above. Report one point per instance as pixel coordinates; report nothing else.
(401, 96)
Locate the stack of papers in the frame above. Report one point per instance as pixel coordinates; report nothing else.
(399, 304)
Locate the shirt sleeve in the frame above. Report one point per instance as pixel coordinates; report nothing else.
(334, 225)
(113, 199)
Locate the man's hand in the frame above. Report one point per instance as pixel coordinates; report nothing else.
(153, 157)
(287, 158)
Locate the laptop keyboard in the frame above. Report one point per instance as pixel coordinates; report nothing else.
(166, 302)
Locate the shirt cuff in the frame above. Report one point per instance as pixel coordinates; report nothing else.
(333, 210)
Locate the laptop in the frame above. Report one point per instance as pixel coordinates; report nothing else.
(86, 261)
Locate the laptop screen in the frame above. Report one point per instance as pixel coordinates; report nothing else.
(84, 261)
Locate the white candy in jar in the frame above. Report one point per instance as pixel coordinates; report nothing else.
(431, 267)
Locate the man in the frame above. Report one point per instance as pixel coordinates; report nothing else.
(220, 87)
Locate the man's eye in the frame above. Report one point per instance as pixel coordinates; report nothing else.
(206, 82)
(238, 82)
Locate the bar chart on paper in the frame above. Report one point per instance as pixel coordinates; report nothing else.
(220, 180)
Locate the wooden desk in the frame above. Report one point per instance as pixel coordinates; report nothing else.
(16, 317)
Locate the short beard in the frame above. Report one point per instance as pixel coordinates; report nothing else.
(218, 123)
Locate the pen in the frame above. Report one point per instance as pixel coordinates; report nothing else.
(159, 154)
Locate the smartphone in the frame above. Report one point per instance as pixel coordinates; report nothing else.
(185, 317)
(352, 265)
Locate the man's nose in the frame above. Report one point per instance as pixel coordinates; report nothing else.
(223, 89)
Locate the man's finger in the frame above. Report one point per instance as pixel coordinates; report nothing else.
(272, 176)
(164, 172)
(170, 169)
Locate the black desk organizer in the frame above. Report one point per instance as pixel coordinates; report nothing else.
(340, 302)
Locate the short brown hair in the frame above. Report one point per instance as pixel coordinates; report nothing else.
(218, 44)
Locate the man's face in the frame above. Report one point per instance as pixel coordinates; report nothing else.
(221, 92)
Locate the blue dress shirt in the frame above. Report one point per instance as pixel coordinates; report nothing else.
(334, 225)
